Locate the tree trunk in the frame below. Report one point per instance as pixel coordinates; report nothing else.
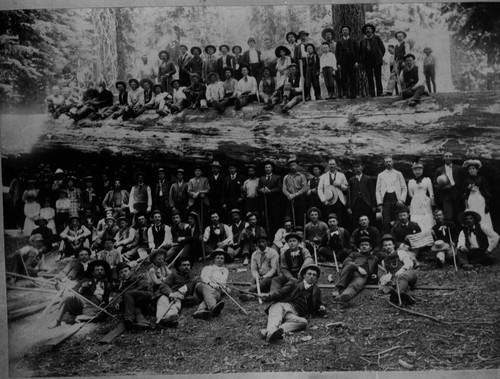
(352, 15)
(120, 46)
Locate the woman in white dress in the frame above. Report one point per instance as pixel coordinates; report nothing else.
(49, 213)
(284, 60)
(422, 194)
(31, 207)
(476, 191)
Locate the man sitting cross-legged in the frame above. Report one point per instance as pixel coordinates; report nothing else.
(291, 303)
(208, 289)
(357, 268)
(264, 265)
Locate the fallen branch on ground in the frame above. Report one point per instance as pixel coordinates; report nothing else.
(417, 313)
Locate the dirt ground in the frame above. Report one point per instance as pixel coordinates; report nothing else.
(367, 334)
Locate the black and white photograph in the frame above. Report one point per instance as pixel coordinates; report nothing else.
(208, 189)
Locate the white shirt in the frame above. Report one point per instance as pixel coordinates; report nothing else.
(327, 60)
(253, 56)
(306, 285)
(249, 85)
(449, 173)
(492, 236)
(214, 274)
(215, 91)
(178, 94)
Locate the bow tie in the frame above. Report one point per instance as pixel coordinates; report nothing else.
(365, 232)
(335, 233)
(295, 253)
(471, 230)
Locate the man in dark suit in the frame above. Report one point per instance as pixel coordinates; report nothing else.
(161, 193)
(361, 194)
(347, 52)
(448, 181)
(292, 302)
(252, 58)
(404, 227)
(371, 53)
(225, 60)
(231, 191)
(270, 186)
(184, 58)
(216, 181)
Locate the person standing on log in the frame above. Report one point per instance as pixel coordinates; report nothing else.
(270, 188)
(335, 183)
(371, 53)
(252, 58)
(216, 183)
(448, 182)
(390, 191)
(361, 195)
(347, 54)
(166, 70)
(184, 58)
(209, 63)
(178, 197)
(295, 188)
(140, 200)
(232, 194)
(161, 193)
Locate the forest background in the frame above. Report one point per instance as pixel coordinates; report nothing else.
(74, 48)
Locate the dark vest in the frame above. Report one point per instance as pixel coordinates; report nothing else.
(158, 236)
(179, 231)
(482, 239)
(295, 82)
(411, 76)
(122, 97)
(399, 52)
(147, 96)
(214, 239)
(140, 194)
(143, 235)
(289, 261)
(268, 87)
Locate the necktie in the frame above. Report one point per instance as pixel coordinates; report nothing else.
(246, 79)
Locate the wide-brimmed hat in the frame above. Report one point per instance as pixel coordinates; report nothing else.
(331, 194)
(292, 65)
(442, 180)
(310, 267)
(251, 39)
(293, 34)
(194, 74)
(400, 32)
(133, 80)
(368, 26)
(311, 168)
(303, 32)
(327, 30)
(345, 26)
(472, 162)
(427, 49)
(293, 235)
(99, 262)
(58, 171)
(35, 238)
(440, 245)
(195, 48)
(137, 174)
(37, 220)
(74, 217)
(88, 178)
(145, 80)
(236, 47)
(477, 216)
(157, 85)
(312, 45)
(153, 256)
(210, 46)
(215, 164)
(235, 210)
(219, 251)
(224, 45)
(251, 165)
(193, 214)
(313, 209)
(120, 82)
(110, 218)
(292, 159)
(287, 218)
(277, 52)
(120, 266)
(387, 237)
(164, 52)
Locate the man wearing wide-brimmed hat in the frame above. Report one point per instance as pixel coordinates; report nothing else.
(400, 50)
(448, 183)
(316, 170)
(178, 196)
(216, 183)
(89, 199)
(43, 230)
(292, 303)
(476, 241)
(412, 81)
(444, 229)
(198, 190)
(217, 235)
(225, 60)
(141, 200)
(295, 189)
(180, 232)
(291, 41)
(183, 59)
(73, 237)
(371, 53)
(195, 64)
(166, 70)
(238, 61)
(135, 99)
(209, 63)
(252, 58)
(279, 242)
(347, 54)
(26, 260)
(161, 192)
(196, 92)
(396, 273)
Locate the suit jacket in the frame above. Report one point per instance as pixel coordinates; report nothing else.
(216, 187)
(368, 262)
(165, 188)
(344, 237)
(246, 57)
(340, 183)
(377, 47)
(362, 189)
(371, 232)
(297, 53)
(181, 62)
(456, 172)
(274, 185)
(232, 189)
(178, 196)
(230, 62)
(201, 186)
(399, 232)
(381, 187)
(88, 292)
(292, 290)
(339, 52)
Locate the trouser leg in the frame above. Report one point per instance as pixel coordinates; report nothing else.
(293, 323)
(164, 304)
(209, 295)
(407, 279)
(346, 275)
(356, 285)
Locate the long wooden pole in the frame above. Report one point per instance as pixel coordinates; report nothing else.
(258, 289)
(453, 251)
(234, 301)
(301, 65)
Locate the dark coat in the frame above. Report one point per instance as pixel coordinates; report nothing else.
(216, 188)
(340, 52)
(378, 50)
(399, 232)
(368, 262)
(344, 237)
(232, 190)
(293, 289)
(88, 292)
(230, 62)
(362, 189)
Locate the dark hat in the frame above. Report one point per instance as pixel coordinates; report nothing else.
(472, 162)
(251, 165)
(400, 32)
(216, 164)
(310, 267)
(368, 26)
(130, 81)
(195, 48)
(235, 210)
(251, 39)
(153, 256)
(99, 262)
(303, 32)
(236, 46)
(158, 86)
(365, 239)
(175, 81)
(311, 44)
(345, 26)
(293, 235)
(120, 266)
(83, 249)
(194, 74)
(427, 49)
(287, 218)
(74, 217)
(150, 82)
(387, 237)
(298, 228)
(266, 162)
(164, 52)
(311, 168)
(37, 220)
(250, 214)
(242, 66)
(120, 82)
(291, 33)
(292, 65)
(224, 45)
(292, 159)
(477, 216)
(332, 215)
(278, 50)
(327, 30)
(175, 212)
(193, 214)
(181, 259)
(155, 212)
(123, 218)
(409, 56)
(210, 46)
(182, 45)
(313, 209)
(402, 208)
(219, 251)
(228, 69)
(137, 174)
(261, 236)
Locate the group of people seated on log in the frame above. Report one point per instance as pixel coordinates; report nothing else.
(285, 75)
(107, 233)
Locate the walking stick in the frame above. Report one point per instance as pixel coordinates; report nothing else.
(200, 223)
(335, 259)
(168, 308)
(293, 212)
(258, 289)
(453, 252)
(301, 63)
(315, 254)
(228, 295)
(265, 212)
(177, 256)
(399, 293)
(243, 291)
